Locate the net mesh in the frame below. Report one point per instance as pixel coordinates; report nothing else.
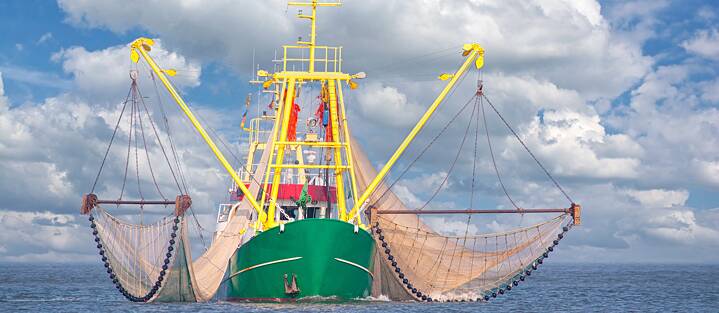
(134, 254)
(143, 257)
(138, 255)
(463, 267)
(415, 258)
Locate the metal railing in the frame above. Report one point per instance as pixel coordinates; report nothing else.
(297, 57)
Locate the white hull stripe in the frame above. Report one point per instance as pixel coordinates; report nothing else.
(356, 265)
(263, 264)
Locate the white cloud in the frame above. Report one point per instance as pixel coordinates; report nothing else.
(2, 89)
(710, 91)
(35, 77)
(705, 43)
(636, 20)
(678, 135)
(682, 227)
(105, 73)
(707, 171)
(44, 38)
(388, 106)
(216, 30)
(707, 13)
(566, 141)
(567, 42)
(550, 55)
(38, 233)
(660, 198)
(453, 227)
(634, 224)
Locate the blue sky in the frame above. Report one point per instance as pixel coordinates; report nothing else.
(627, 91)
(31, 75)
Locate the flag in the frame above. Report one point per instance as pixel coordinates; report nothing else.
(304, 197)
(247, 108)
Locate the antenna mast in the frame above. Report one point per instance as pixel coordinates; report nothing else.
(313, 18)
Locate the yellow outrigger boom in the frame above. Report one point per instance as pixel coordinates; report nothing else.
(475, 54)
(140, 47)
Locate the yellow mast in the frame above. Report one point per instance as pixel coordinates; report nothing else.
(313, 18)
(331, 75)
(339, 178)
(275, 129)
(277, 167)
(140, 47)
(350, 162)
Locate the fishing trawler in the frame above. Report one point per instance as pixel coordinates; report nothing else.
(308, 215)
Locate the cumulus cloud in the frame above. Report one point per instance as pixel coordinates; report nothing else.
(43, 236)
(566, 140)
(665, 117)
(35, 77)
(681, 226)
(707, 171)
(635, 21)
(710, 91)
(101, 73)
(659, 197)
(705, 43)
(217, 30)
(568, 42)
(557, 55)
(389, 105)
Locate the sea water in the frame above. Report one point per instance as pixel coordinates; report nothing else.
(553, 288)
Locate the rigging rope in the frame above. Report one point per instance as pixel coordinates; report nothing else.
(137, 161)
(491, 153)
(169, 138)
(474, 173)
(112, 139)
(556, 183)
(395, 66)
(147, 155)
(162, 147)
(129, 142)
(431, 142)
(454, 162)
(200, 229)
(478, 98)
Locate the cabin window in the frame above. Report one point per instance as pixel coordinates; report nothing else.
(313, 213)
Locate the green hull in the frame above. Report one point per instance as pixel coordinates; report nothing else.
(328, 259)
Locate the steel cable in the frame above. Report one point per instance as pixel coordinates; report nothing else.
(556, 183)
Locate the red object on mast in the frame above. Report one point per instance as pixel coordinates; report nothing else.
(294, 113)
(292, 127)
(320, 114)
